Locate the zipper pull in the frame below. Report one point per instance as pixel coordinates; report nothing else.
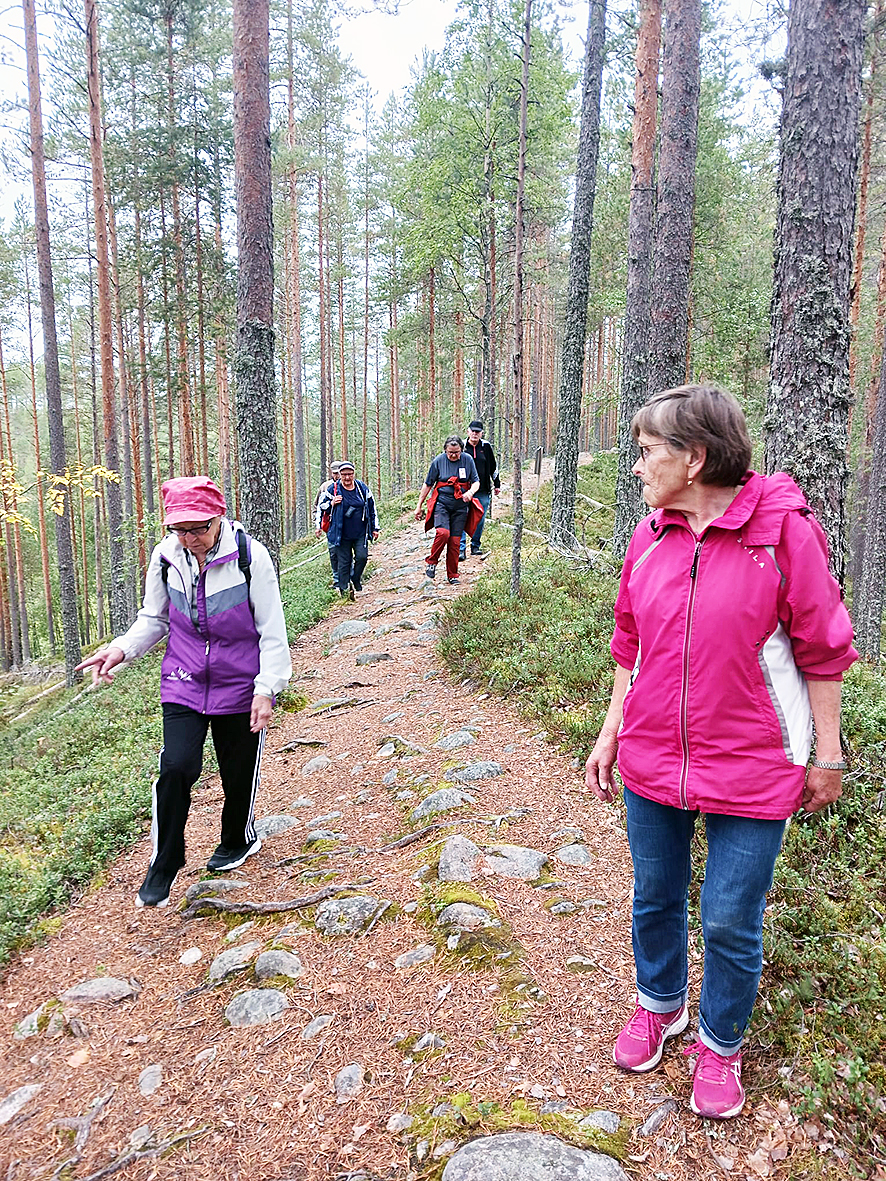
(695, 559)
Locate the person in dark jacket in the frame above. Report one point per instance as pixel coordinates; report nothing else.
(487, 469)
(353, 521)
(213, 591)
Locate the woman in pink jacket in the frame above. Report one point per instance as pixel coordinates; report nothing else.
(731, 639)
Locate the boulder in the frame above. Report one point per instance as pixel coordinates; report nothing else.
(447, 799)
(515, 861)
(460, 860)
(464, 916)
(484, 769)
(101, 990)
(574, 855)
(278, 962)
(349, 628)
(345, 916)
(529, 1156)
(235, 959)
(258, 1006)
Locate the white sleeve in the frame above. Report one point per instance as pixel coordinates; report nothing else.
(152, 622)
(275, 663)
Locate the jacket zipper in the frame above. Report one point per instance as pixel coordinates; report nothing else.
(684, 682)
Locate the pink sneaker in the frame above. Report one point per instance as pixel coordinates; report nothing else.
(716, 1085)
(640, 1044)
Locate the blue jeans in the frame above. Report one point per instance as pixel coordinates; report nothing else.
(485, 498)
(353, 554)
(738, 872)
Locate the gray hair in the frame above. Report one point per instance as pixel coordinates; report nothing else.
(454, 441)
(692, 416)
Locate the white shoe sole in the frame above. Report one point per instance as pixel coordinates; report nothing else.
(671, 1030)
(253, 848)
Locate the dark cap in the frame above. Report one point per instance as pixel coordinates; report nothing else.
(346, 466)
(476, 425)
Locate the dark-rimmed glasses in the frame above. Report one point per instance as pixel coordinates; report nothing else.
(196, 531)
(644, 450)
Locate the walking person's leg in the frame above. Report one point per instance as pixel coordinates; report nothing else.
(361, 557)
(485, 499)
(333, 562)
(458, 514)
(441, 538)
(181, 761)
(659, 839)
(343, 566)
(239, 755)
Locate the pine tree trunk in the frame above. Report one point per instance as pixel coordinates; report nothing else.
(517, 544)
(302, 522)
(629, 505)
(680, 86)
(569, 414)
(254, 358)
(807, 408)
(18, 628)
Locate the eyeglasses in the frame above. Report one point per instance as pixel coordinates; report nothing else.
(644, 451)
(197, 531)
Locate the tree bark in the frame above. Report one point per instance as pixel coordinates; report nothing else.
(808, 402)
(569, 418)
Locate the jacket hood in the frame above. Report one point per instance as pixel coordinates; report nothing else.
(758, 510)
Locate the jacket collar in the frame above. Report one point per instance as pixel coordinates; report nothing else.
(757, 513)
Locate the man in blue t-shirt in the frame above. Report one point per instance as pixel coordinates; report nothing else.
(452, 479)
(353, 520)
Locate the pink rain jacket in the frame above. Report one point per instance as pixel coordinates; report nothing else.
(722, 632)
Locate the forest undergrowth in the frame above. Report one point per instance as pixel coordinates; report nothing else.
(821, 1019)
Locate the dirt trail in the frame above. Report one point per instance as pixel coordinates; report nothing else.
(261, 1099)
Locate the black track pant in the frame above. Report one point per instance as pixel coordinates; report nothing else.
(181, 761)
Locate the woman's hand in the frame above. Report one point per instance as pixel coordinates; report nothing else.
(600, 764)
(823, 787)
(336, 499)
(260, 714)
(102, 662)
(375, 535)
(419, 513)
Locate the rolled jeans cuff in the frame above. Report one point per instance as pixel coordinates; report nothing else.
(707, 1038)
(657, 1004)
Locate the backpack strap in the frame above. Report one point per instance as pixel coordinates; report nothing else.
(243, 557)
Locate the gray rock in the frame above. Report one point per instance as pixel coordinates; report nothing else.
(349, 628)
(515, 861)
(316, 1026)
(445, 1110)
(345, 916)
(456, 740)
(574, 855)
(30, 1026)
(569, 833)
(235, 959)
(100, 990)
(364, 796)
(580, 964)
(464, 916)
(402, 745)
(422, 1149)
(258, 1006)
(277, 962)
(211, 886)
(447, 799)
(428, 1041)
(564, 907)
(348, 1083)
(606, 1121)
(272, 826)
(302, 802)
(460, 860)
(529, 1156)
(323, 834)
(399, 1123)
(389, 777)
(509, 749)
(656, 1118)
(387, 751)
(555, 1107)
(445, 1148)
(475, 771)
(320, 821)
(233, 935)
(150, 1079)
(373, 657)
(16, 1100)
(405, 794)
(317, 763)
(398, 713)
(418, 955)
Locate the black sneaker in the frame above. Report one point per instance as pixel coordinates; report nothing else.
(224, 858)
(454, 581)
(352, 592)
(155, 888)
(430, 571)
(478, 553)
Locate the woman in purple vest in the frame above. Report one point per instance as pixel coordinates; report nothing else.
(214, 592)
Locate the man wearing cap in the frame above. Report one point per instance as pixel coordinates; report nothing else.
(334, 469)
(487, 469)
(353, 520)
(214, 592)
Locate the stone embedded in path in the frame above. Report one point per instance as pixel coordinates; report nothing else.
(428, 1041)
(580, 964)
(324, 834)
(345, 916)
(277, 962)
(16, 1100)
(348, 1083)
(302, 802)
(210, 886)
(529, 1156)
(456, 740)
(447, 799)
(150, 1079)
(319, 821)
(400, 1122)
(102, 989)
(401, 745)
(460, 860)
(373, 657)
(563, 907)
(656, 1118)
(272, 826)
(349, 628)
(569, 834)
(389, 777)
(235, 959)
(317, 763)
(474, 771)
(237, 932)
(30, 1026)
(464, 916)
(320, 1022)
(191, 956)
(606, 1121)
(515, 861)
(418, 955)
(256, 1007)
(574, 855)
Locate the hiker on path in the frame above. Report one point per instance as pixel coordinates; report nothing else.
(487, 471)
(730, 640)
(451, 483)
(334, 469)
(352, 521)
(213, 591)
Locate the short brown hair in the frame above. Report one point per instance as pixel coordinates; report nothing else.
(692, 416)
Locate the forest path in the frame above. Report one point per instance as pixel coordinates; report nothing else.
(260, 1102)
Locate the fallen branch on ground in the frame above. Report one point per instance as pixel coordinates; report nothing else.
(145, 1154)
(226, 906)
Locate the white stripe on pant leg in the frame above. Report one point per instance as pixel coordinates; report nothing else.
(155, 830)
(256, 780)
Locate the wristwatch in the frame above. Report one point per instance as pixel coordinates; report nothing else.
(841, 766)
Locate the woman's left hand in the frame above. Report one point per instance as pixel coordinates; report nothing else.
(260, 715)
(822, 788)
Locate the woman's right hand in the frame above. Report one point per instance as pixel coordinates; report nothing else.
(419, 513)
(600, 765)
(102, 662)
(336, 500)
